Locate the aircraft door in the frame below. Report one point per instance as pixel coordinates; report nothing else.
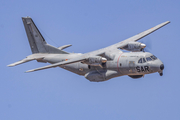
(132, 66)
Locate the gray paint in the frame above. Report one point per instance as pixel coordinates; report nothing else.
(118, 63)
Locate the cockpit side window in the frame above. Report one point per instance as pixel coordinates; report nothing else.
(148, 59)
(153, 57)
(143, 60)
(140, 60)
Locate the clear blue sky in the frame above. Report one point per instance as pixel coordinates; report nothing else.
(56, 94)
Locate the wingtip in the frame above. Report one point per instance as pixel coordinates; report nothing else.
(165, 23)
(11, 65)
(29, 71)
(168, 21)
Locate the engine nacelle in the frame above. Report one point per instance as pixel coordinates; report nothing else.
(134, 46)
(95, 61)
(109, 55)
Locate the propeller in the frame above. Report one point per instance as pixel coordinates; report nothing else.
(148, 42)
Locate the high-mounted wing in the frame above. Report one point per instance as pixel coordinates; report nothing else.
(74, 60)
(140, 35)
(90, 60)
(121, 44)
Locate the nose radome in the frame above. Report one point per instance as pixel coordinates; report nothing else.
(162, 66)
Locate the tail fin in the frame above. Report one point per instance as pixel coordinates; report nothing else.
(36, 40)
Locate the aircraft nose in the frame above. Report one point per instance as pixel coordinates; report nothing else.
(162, 66)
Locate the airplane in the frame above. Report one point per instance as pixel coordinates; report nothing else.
(99, 65)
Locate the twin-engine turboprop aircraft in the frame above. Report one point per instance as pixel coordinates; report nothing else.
(99, 65)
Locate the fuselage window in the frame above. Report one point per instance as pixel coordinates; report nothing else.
(140, 60)
(154, 57)
(148, 59)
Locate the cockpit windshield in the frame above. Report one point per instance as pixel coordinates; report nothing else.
(148, 59)
(140, 60)
(153, 57)
(143, 60)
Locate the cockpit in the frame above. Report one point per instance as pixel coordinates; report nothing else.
(147, 59)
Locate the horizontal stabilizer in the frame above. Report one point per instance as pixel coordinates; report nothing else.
(64, 46)
(20, 62)
(28, 58)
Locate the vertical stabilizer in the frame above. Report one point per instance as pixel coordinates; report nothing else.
(36, 40)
